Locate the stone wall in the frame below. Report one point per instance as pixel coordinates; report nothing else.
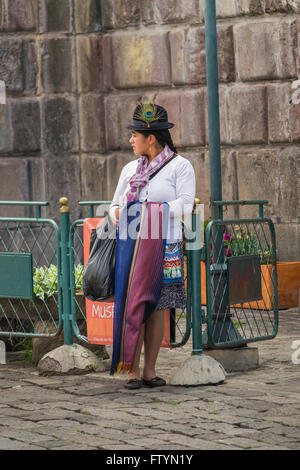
(74, 70)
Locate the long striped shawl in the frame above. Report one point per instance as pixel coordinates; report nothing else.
(139, 275)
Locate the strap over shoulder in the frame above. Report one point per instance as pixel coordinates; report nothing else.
(154, 174)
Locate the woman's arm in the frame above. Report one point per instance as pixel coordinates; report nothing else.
(185, 190)
(115, 209)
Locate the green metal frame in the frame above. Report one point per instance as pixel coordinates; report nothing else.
(208, 237)
(41, 221)
(74, 305)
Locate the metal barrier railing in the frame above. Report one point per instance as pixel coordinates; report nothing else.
(240, 289)
(241, 279)
(30, 290)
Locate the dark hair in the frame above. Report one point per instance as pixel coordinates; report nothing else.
(163, 137)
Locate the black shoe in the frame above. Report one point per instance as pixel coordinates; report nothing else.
(133, 384)
(155, 382)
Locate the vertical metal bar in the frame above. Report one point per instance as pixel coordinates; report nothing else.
(65, 255)
(220, 303)
(196, 291)
(274, 277)
(213, 104)
(261, 211)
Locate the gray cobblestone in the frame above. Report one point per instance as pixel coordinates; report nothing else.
(11, 444)
(246, 443)
(23, 436)
(256, 410)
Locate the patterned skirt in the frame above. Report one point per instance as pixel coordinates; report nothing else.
(173, 295)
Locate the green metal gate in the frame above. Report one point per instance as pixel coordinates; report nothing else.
(30, 275)
(241, 279)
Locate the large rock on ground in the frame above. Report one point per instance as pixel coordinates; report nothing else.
(43, 345)
(67, 360)
(199, 370)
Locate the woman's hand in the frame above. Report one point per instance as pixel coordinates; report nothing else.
(118, 213)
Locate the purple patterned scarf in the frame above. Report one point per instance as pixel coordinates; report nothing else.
(144, 171)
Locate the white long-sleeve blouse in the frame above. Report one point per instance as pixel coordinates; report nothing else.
(174, 184)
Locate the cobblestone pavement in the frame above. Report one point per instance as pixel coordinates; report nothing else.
(258, 409)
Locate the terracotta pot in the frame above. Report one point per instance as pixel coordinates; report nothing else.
(288, 286)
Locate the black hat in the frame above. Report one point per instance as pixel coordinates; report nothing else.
(150, 116)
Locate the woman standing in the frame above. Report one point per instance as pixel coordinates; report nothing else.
(159, 175)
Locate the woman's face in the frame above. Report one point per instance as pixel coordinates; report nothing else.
(139, 143)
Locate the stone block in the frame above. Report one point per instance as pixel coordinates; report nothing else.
(114, 166)
(251, 7)
(5, 129)
(118, 114)
(279, 112)
(30, 66)
(200, 162)
(57, 73)
(293, 111)
(171, 11)
(18, 64)
(226, 9)
(87, 16)
(223, 115)
(11, 58)
(226, 65)
(89, 63)
(265, 50)
(92, 123)
(55, 15)
(289, 184)
(170, 100)
(233, 8)
(193, 117)
(94, 177)
(247, 109)
(26, 124)
(2, 14)
(258, 179)
(60, 125)
(235, 359)
(120, 13)
(37, 182)
(282, 6)
(19, 15)
(229, 182)
(62, 178)
(138, 58)
(287, 242)
(15, 185)
(20, 67)
(188, 55)
(107, 64)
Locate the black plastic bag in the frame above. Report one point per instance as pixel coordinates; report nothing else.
(99, 272)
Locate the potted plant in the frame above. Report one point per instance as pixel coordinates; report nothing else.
(288, 273)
